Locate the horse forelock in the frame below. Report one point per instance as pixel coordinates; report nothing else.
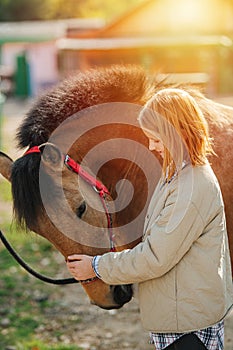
(27, 202)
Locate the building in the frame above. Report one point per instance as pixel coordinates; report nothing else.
(183, 40)
(28, 53)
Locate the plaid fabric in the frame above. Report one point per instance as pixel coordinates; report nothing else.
(211, 337)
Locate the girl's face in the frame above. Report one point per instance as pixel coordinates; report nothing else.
(156, 145)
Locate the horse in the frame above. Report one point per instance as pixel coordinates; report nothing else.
(86, 178)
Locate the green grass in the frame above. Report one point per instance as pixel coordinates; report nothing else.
(24, 300)
(40, 346)
(5, 191)
(27, 304)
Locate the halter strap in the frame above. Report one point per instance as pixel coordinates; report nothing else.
(98, 187)
(92, 181)
(74, 166)
(34, 149)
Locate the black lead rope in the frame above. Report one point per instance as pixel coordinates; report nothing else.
(29, 269)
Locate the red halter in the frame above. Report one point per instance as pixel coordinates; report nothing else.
(97, 186)
(72, 165)
(34, 149)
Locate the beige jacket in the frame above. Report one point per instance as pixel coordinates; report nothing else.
(183, 264)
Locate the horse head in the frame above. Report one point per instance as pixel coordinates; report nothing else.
(53, 200)
(73, 220)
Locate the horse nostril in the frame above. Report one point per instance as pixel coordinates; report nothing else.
(122, 294)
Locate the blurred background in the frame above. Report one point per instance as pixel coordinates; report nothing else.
(43, 42)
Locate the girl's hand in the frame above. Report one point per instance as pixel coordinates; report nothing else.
(80, 266)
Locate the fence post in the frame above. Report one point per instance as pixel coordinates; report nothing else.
(22, 76)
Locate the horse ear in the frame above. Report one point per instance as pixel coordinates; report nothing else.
(5, 166)
(51, 156)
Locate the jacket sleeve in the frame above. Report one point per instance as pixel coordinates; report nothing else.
(168, 239)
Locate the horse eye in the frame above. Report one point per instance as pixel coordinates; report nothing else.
(81, 210)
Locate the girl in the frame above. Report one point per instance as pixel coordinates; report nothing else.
(182, 265)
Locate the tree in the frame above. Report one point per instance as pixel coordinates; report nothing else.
(58, 9)
(19, 10)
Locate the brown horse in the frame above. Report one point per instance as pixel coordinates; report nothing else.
(93, 118)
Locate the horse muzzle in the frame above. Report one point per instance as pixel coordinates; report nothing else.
(122, 294)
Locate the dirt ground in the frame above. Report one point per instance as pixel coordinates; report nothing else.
(115, 329)
(98, 329)
(119, 329)
(101, 329)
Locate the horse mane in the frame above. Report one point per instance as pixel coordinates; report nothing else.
(95, 86)
(118, 83)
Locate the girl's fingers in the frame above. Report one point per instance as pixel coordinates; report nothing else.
(74, 257)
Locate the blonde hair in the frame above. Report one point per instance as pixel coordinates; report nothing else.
(174, 116)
